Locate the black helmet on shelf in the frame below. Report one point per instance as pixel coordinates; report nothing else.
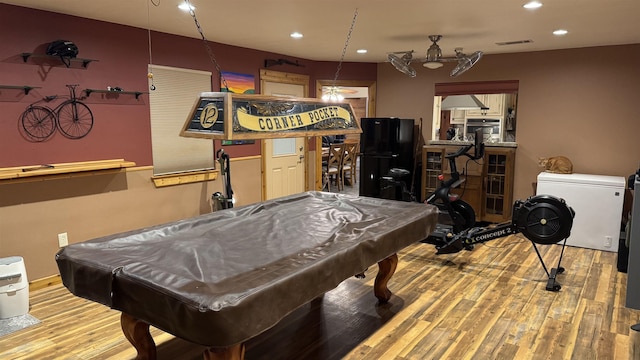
(65, 49)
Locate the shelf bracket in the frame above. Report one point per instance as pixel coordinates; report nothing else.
(114, 92)
(25, 88)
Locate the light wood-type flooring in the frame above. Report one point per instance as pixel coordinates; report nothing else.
(489, 303)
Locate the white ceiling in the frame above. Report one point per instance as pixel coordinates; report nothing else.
(381, 26)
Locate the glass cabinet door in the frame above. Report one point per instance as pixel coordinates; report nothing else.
(432, 160)
(494, 196)
(498, 183)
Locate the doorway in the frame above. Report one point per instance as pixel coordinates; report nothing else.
(361, 94)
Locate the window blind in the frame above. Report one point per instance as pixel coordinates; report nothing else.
(170, 103)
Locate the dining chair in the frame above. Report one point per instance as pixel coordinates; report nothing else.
(334, 165)
(349, 161)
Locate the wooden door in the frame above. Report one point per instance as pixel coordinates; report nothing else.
(284, 160)
(284, 167)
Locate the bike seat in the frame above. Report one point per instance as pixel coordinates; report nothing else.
(398, 173)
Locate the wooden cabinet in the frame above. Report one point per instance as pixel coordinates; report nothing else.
(489, 182)
(432, 160)
(495, 103)
(458, 117)
(498, 184)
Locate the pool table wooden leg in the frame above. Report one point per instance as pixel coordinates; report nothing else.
(137, 332)
(386, 268)
(235, 352)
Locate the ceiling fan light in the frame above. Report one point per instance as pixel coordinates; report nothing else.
(332, 94)
(433, 65)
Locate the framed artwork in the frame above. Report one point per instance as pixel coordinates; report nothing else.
(237, 83)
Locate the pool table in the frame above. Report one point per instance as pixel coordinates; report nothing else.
(224, 277)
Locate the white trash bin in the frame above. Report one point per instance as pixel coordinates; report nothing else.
(14, 287)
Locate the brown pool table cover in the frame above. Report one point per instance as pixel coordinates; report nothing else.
(221, 278)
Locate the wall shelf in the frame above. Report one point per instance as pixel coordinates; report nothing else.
(114, 92)
(185, 177)
(24, 88)
(85, 62)
(62, 170)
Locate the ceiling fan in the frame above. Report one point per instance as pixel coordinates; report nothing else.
(434, 59)
(335, 93)
(402, 63)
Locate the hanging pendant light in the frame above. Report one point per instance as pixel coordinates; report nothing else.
(333, 94)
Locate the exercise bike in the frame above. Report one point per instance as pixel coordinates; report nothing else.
(455, 214)
(542, 219)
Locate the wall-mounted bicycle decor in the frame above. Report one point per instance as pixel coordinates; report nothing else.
(72, 117)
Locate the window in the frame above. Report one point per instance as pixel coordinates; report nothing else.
(176, 92)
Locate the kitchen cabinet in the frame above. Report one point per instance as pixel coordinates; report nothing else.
(495, 103)
(489, 182)
(458, 116)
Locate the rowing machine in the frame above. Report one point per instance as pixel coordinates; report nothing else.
(543, 219)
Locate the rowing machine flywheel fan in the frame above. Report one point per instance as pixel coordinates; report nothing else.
(544, 219)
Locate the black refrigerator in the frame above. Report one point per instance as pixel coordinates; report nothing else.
(386, 158)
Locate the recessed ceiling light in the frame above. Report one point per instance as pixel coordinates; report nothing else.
(296, 35)
(186, 7)
(532, 5)
(560, 32)
(361, 51)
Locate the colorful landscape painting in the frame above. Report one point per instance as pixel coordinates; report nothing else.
(237, 83)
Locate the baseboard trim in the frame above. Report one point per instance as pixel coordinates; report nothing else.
(45, 282)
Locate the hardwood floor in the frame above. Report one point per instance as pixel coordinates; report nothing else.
(489, 303)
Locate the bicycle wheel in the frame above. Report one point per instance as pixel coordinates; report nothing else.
(75, 119)
(38, 122)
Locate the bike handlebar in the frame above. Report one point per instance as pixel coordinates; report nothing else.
(465, 151)
(462, 151)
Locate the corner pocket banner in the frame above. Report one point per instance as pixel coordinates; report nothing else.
(240, 116)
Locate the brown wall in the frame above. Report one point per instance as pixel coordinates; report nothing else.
(581, 103)
(85, 207)
(121, 126)
(33, 213)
